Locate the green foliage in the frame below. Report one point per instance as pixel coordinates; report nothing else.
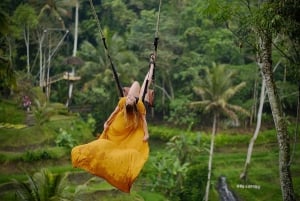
(7, 74)
(17, 136)
(180, 114)
(191, 35)
(288, 93)
(31, 156)
(169, 168)
(194, 183)
(185, 146)
(42, 112)
(49, 153)
(25, 17)
(42, 186)
(167, 174)
(215, 88)
(8, 107)
(148, 196)
(163, 133)
(91, 122)
(64, 139)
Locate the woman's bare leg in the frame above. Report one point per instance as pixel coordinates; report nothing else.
(148, 79)
(134, 89)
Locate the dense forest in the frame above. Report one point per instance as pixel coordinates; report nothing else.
(38, 38)
(226, 64)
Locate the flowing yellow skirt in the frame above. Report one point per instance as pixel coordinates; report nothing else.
(116, 158)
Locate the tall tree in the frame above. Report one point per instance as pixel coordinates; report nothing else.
(261, 22)
(55, 11)
(7, 74)
(25, 17)
(278, 117)
(76, 4)
(216, 89)
(51, 21)
(264, 30)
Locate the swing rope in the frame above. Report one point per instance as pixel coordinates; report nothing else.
(157, 29)
(106, 50)
(153, 57)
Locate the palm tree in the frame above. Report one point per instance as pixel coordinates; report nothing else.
(76, 4)
(51, 14)
(216, 89)
(55, 9)
(43, 186)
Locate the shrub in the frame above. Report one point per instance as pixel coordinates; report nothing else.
(31, 156)
(194, 183)
(64, 139)
(42, 112)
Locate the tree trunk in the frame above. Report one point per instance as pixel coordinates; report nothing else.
(26, 38)
(48, 65)
(278, 116)
(211, 152)
(256, 132)
(74, 52)
(41, 41)
(76, 28)
(254, 107)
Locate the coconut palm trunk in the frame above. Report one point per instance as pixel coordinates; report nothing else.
(279, 119)
(74, 52)
(211, 152)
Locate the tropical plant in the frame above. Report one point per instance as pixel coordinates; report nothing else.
(170, 168)
(168, 174)
(42, 112)
(215, 89)
(65, 139)
(185, 146)
(193, 188)
(53, 10)
(43, 186)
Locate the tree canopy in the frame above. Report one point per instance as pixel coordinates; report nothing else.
(190, 38)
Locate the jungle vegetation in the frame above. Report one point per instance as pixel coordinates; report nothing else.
(212, 61)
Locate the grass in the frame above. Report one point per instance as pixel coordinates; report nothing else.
(229, 157)
(7, 108)
(263, 176)
(28, 149)
(228, 161)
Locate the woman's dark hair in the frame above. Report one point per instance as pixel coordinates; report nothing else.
(132, 115)
(131, 109)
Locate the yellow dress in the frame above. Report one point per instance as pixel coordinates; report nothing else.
(120, 152)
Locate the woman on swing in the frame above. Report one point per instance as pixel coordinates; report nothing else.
(122, 149)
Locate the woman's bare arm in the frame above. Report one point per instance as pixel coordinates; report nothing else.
(145, 127)
(108, 121)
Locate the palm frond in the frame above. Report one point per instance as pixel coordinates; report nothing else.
(43, 186)
(233, 90)
(215, 89)
(238, 109)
